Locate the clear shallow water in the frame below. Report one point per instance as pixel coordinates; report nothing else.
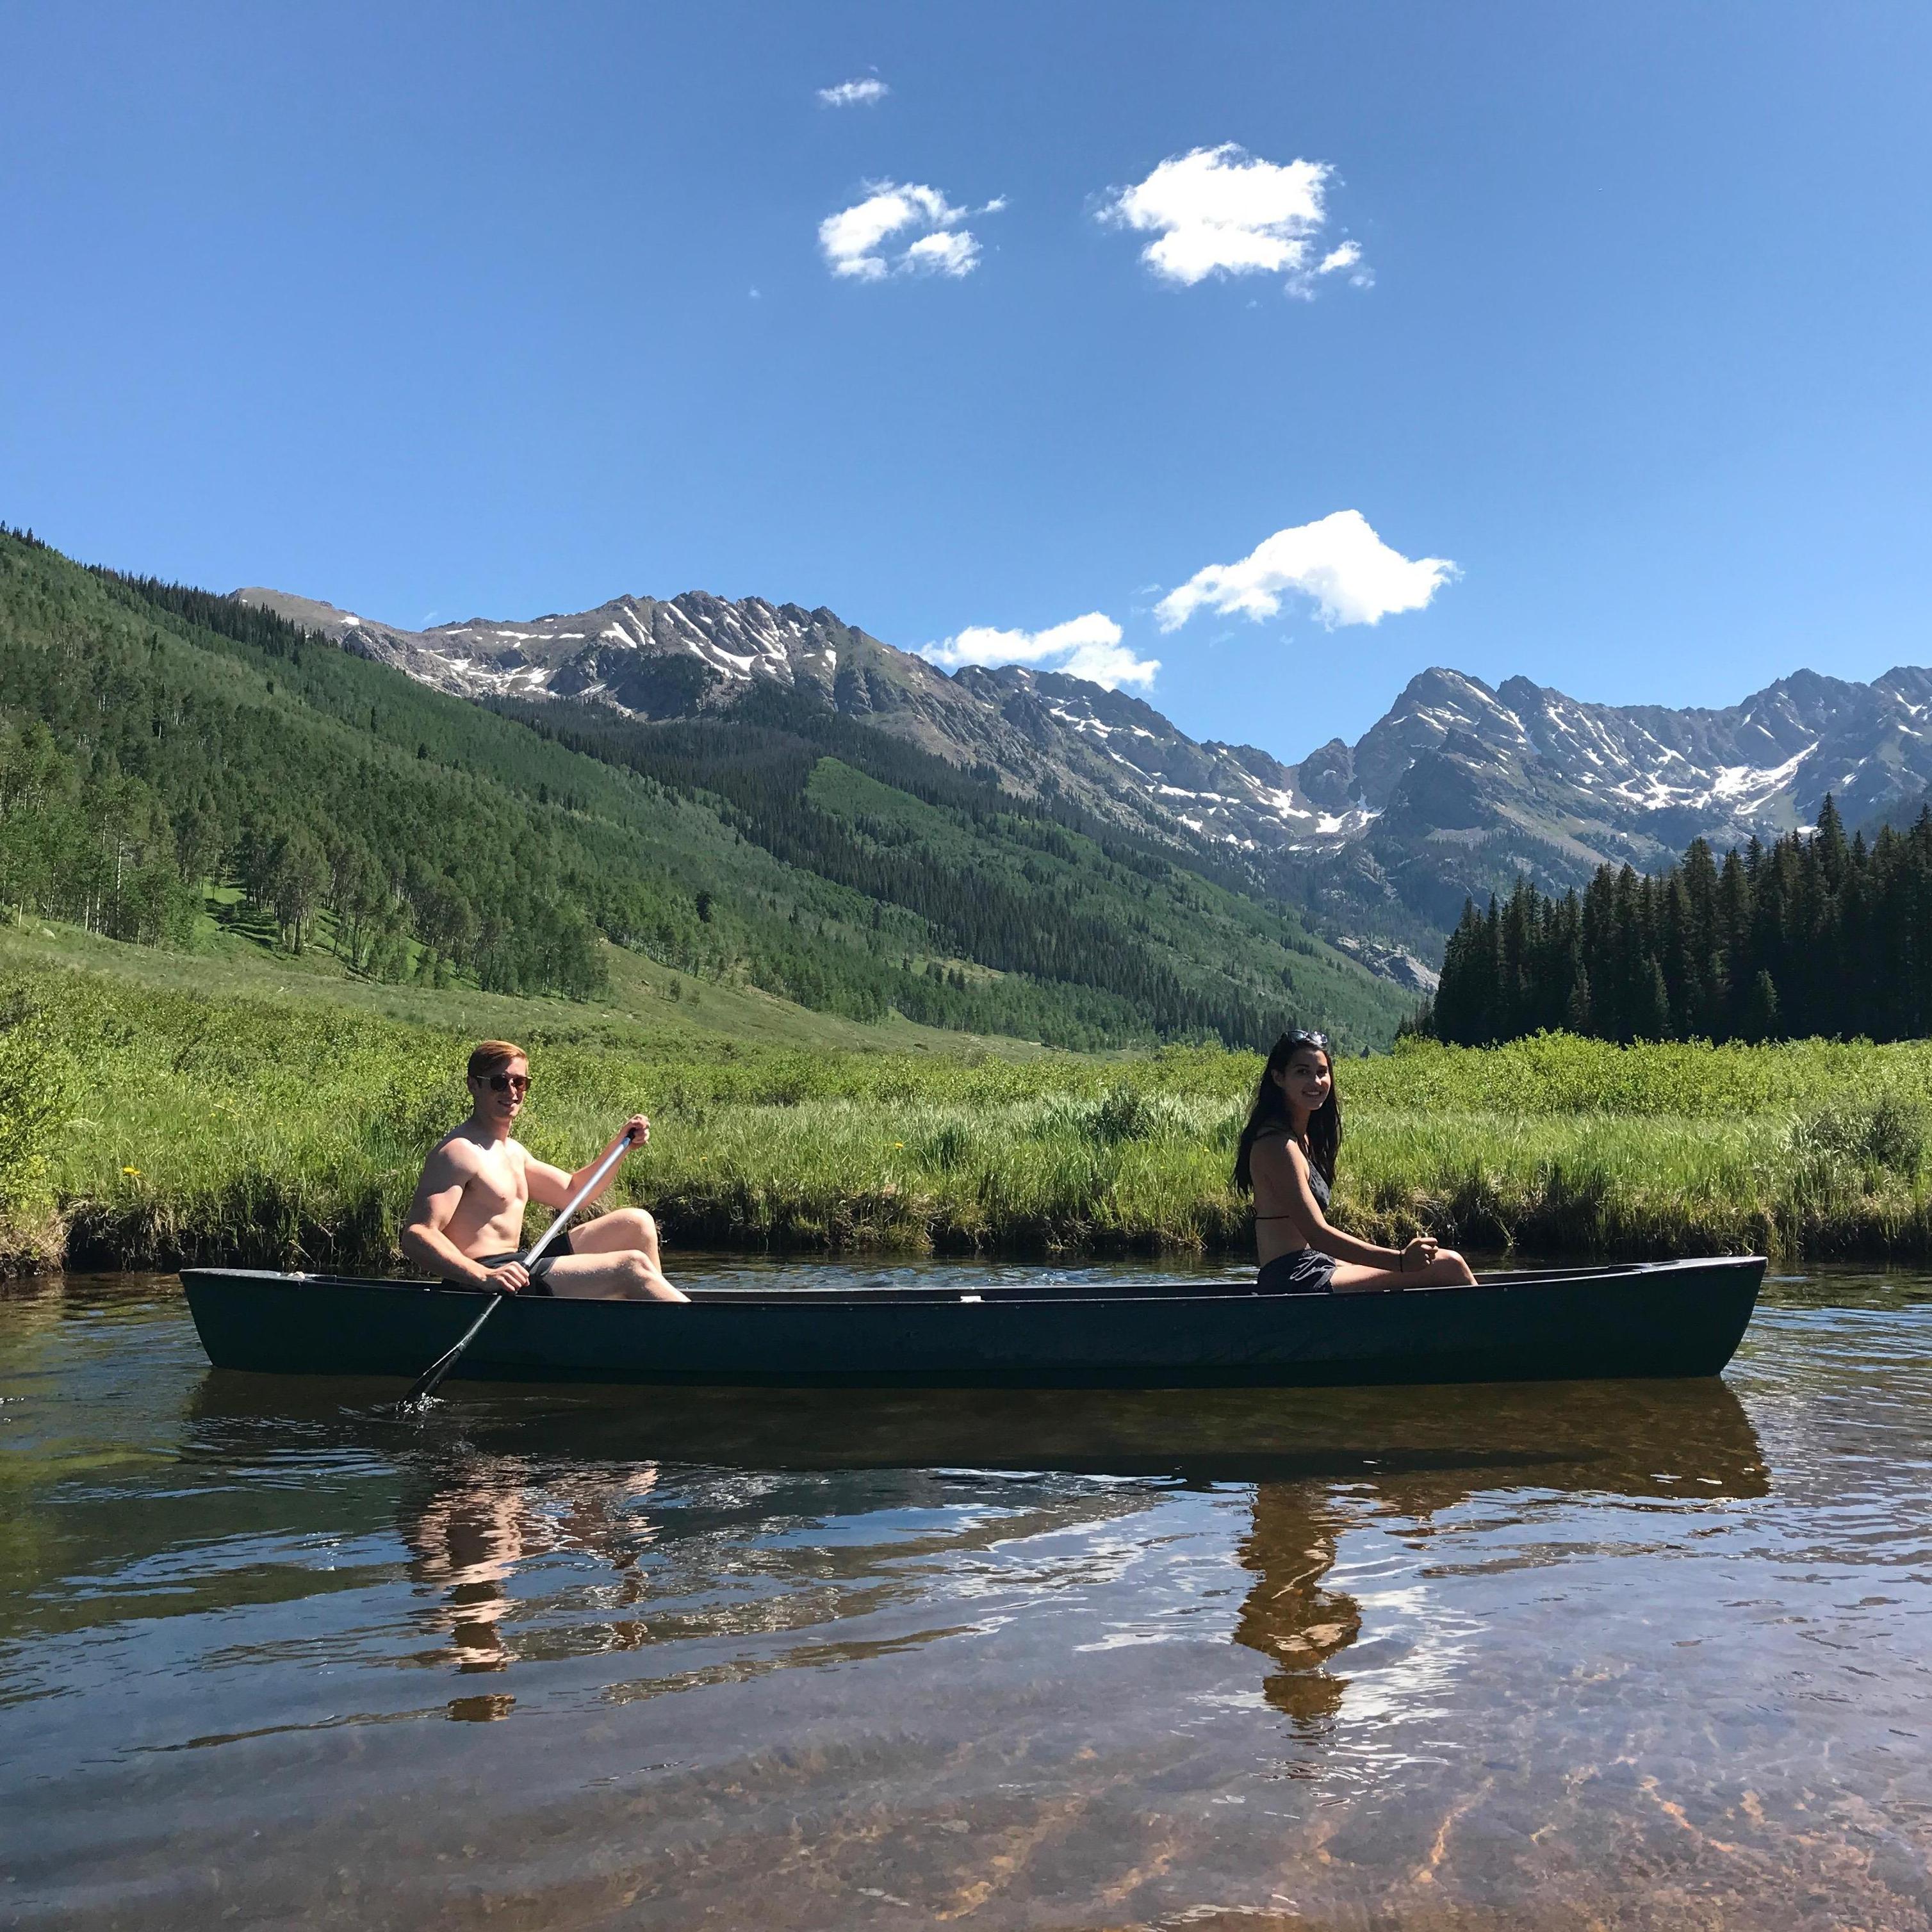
(1623, 1655)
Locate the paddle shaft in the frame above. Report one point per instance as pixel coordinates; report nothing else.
(426, 1383)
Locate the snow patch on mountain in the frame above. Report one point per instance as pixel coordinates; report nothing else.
(1458, 786)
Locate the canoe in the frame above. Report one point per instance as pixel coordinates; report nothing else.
(1656, 1318)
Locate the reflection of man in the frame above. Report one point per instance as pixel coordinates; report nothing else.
(1294, 1623)
(468, 1544)
(466, 1221)
(473, 1534)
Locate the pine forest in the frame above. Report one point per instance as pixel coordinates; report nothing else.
(1811, 935)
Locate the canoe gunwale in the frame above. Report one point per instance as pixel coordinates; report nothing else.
(1085, 1295)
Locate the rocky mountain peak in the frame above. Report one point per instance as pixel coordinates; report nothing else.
(1456, 790)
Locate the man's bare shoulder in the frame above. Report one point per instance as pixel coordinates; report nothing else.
(456, 1153)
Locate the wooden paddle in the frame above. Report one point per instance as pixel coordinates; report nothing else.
(425, 1386)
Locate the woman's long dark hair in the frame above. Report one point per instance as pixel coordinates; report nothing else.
(1270, 1111)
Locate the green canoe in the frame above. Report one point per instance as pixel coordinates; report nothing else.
(1653, 1318)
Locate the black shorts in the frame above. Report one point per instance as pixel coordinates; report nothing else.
(539, 1269)
(1300, 1271)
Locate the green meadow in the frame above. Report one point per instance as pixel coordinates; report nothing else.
(156, 1109)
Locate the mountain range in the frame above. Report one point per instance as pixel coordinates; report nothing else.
(1456, 790)
(172, 757)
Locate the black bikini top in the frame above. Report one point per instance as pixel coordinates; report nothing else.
(1317, 1183)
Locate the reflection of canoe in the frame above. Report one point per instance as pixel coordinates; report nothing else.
(1419, 1449)
(1657, 1318)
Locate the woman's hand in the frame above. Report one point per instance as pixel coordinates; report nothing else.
(1420, 1253)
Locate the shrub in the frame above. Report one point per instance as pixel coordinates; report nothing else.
(1876, 1136)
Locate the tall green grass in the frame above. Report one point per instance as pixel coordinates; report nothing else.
(169, 1126)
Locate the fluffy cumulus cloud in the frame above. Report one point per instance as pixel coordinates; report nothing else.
(1088, 647)
(1350, 573)
(904, 229)
(1223, 211)
(866, 93)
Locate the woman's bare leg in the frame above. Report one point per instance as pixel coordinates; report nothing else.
(1448, 1269)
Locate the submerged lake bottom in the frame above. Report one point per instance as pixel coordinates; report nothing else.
(1587, 1655)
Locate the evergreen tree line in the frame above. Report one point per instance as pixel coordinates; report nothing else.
(1807, 936)
(772, 735)
(1039, 890)
(95, 848)
(135, 771)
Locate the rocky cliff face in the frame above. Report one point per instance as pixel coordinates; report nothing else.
(1468, 786)
(1455, 790)
(695, 653)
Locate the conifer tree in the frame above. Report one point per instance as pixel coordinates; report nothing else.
(1813, 934)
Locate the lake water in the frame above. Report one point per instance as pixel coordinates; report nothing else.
(1615, 1654)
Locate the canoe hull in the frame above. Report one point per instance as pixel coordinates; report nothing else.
(1666, 1319)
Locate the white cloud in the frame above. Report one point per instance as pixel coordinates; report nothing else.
(854, 240)
(1223, 211)
(867, 93)
(1353, 577)
(1088, 647)
(948, 252)
(1348, 255)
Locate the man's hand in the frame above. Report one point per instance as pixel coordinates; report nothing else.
(507, 1278)
(1419, 1254)
(637, 1129)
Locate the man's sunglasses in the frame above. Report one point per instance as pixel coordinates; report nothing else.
(506, 1083)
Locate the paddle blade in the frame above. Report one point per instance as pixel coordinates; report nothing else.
(425, 1383)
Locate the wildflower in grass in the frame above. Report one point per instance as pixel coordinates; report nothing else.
(132, 1173)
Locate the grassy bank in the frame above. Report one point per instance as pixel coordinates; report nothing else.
(149, 1124)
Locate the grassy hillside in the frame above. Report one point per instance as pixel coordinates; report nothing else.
(646, 1005)
(160, 748)
(147, 1120)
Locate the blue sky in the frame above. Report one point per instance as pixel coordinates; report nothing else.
(439, 312)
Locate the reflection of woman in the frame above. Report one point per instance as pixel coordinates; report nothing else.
(1294, 1623)
(1286, 1160)
(470, 1538)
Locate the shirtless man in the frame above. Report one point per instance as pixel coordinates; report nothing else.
(466, 1221)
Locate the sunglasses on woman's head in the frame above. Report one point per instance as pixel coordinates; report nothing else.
(504, 1083)
(1298, 1038)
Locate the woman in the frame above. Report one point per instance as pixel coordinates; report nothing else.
(1286, 1160)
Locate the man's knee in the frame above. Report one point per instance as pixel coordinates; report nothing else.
(636, 1224)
